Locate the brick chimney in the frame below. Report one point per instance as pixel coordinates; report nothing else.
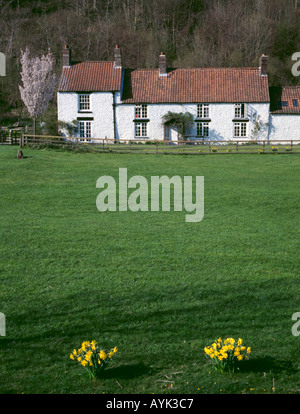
(263, 65)
(162, 63)
(66, 56)
(117, 57)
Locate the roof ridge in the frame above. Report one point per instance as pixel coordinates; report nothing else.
(94, 61)
(291, 87)
(207, 68)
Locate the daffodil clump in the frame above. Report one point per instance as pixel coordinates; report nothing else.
(225, 355)
(92, 357)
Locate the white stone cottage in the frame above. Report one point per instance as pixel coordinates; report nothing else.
(284, 121)
(108, 101)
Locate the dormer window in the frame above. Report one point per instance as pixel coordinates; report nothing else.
(283, 104)
(203, 111)
(84, 102)
(141, 111)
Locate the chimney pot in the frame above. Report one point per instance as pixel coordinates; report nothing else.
(263, 65)
(162, 65)
(117, 57)
(66, 56)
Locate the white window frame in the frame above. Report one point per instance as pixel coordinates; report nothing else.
(202, 110)
(240, 129)
(140, 129)
(202, 129)
(84, 102)
(141, 111)
(239, 111)
(85, 130)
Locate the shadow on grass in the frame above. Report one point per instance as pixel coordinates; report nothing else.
(267, 364)
(126, 371)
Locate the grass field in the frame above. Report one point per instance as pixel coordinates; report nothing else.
(158, 288)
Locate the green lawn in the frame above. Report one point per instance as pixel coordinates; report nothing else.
(158, 288)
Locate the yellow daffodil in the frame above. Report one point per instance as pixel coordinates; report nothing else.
(92, 357)
(88, 355)
(103, 355)
(225, 354)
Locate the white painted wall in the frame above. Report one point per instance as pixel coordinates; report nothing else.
(221, 115)
(284, 127)
(101, 109)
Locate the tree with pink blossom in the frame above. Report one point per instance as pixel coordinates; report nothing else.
(39, 82)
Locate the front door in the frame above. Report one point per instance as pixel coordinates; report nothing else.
(167, 134)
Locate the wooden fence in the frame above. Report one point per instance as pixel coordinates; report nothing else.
(164, 147)
(11, 136)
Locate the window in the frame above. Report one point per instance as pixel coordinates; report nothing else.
(202, 129)
(85, 130)
(240, 129)
(141, 111)
(141, 129)
(202, 110)
(295, 103)
(282, 104)
(239, 110)
(84, 102)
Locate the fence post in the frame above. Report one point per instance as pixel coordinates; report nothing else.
(291, 146)
(22, 139)
(156, 145)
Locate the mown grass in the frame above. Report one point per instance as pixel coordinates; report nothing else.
(158, 288)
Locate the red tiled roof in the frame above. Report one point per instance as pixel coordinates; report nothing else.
(195, 85)
(286, 100)
(90, 77)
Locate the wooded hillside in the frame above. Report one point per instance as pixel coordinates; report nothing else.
(192, 33)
